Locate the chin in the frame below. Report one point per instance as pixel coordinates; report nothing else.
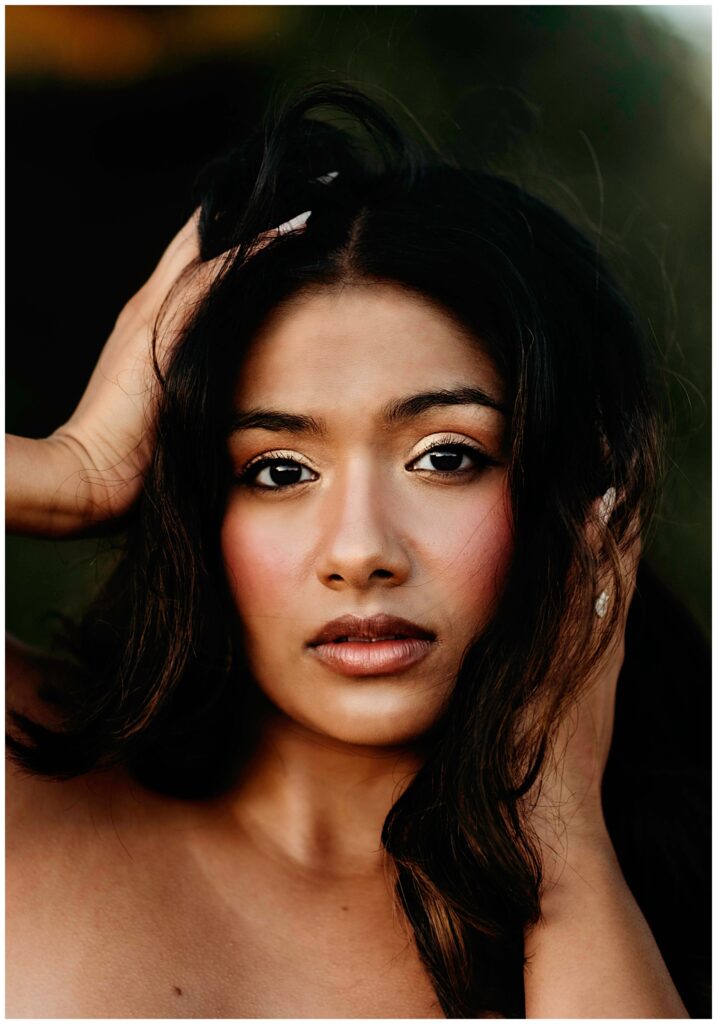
(359, 734)
(374, 713)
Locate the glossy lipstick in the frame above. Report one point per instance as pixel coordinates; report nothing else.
(375, 646)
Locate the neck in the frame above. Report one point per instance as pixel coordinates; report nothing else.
(315, 801)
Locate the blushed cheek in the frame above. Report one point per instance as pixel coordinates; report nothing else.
(478, 556)
(262, 563)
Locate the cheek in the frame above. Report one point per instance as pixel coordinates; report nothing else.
(262, 558)
(471, 551)
(461, 553)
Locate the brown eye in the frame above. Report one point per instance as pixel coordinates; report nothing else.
(450, 458)
(446, 460)
(273, 474)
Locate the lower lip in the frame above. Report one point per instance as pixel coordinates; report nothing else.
(377, 658)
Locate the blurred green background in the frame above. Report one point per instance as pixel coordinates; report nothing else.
(111, 111)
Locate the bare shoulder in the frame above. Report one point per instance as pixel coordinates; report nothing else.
(77, 870)
(36, 804)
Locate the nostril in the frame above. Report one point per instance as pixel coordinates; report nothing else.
(382, 574)
(335, 577)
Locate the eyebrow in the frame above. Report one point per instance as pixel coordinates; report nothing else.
(408, 408)
(395, 412)
(272, 419)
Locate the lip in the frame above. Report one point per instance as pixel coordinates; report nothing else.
(379, 645)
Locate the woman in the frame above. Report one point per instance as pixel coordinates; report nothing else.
(333, 738)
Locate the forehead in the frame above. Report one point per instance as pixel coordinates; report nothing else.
(357, 345)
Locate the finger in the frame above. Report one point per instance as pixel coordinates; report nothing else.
(294, 224)
(180, 252)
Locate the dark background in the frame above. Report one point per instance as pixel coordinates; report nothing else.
(111, 111)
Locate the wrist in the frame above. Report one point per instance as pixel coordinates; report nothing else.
(46, 487)
(580, 862)
(570, 839)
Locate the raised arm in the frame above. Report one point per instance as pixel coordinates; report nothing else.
(90, 470)
(592, 954)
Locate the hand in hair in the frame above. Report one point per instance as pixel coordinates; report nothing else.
(567, 803)
(592, 953)
(91, 469)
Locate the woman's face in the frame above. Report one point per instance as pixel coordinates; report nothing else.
(370, 483)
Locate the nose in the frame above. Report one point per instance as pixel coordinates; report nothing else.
(362, 546)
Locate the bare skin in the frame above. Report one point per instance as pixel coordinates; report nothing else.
(276, 901)
(150, 907)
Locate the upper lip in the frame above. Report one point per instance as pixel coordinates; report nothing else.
(373, 628)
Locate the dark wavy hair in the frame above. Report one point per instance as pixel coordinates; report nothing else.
(163, 683)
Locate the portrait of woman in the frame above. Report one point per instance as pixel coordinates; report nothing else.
(378, 713)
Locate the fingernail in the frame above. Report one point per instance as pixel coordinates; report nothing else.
(294, 224)
(601, 604)
(607, 504)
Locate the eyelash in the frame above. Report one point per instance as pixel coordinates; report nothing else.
(480, 459)
(247, 477)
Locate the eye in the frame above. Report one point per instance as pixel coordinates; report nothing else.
(451, 458)
(276, 473)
